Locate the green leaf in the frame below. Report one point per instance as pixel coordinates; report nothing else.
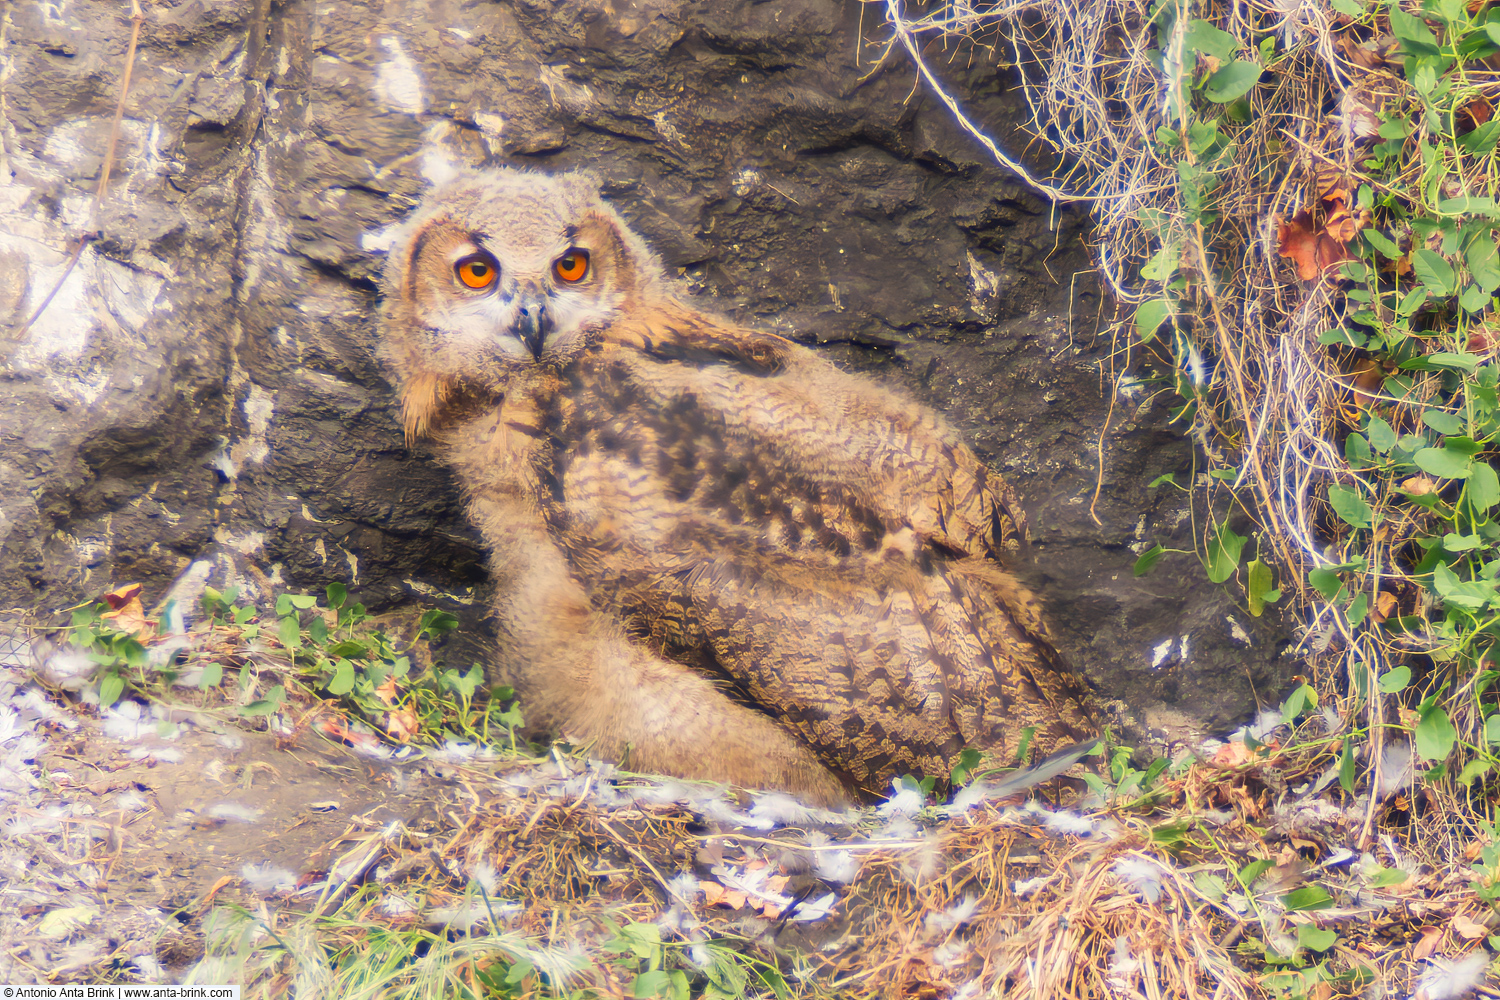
(1325, 581)
(963, 768)
(1168, 478)
(1382, 437)
(1342, 336)
(1474, 299)
(652, 984)
(1454, 361)
(1163, 265)
(1483, 259)
(1472, 771)
(1224, 550)
(1210, 886)
(337, 595)
(1411, 302)
(267, 705)
(773, 981)
(725, 973)
(1205, 38)
(1443, 423)
(1383, 243)
(1455, 543)
(1254, 870)
(1435, 734)
(1492, 729)
(1309, 897)
(1394, 680)
(1481, 141)
(1359, 609)
(111, 686)
(435, 622)
(343, 678)
(643, 940)
(1483, 487)
(1434, 272)
(1444, 462)
(1349, 505)
(351, 648)
(1346, 768)
(1349, 8)
(1467, 205)
(1149, 316)
(283, 605)
(1472, 596)
(290, 633)
(1258, 586)
(1301, 701)
(1314, 937)
(1388, 876)
(212, 674)
(1148, 560)
(1396, 128)
(1232, 81)
(302, 602)
(317, 631)
(1415, 37)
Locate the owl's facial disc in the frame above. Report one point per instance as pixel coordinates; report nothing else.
(500, 293)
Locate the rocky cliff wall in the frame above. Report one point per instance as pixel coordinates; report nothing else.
(200, 397)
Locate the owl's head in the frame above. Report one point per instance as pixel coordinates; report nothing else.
(501, 269)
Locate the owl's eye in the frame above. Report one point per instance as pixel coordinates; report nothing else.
(477, 271)
(571, 266)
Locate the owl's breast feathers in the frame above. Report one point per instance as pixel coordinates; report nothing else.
(833, 546)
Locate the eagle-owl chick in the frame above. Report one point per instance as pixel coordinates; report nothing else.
(717, 555)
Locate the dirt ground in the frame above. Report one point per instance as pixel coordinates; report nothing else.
(125, 830)
(140, 818)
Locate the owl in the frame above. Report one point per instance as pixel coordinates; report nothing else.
(716, 554)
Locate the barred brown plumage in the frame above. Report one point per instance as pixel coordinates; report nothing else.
(669, 497)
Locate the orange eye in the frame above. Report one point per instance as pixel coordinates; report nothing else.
(476, 271)
(571, 266)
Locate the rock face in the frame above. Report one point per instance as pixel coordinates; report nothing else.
(200, 396)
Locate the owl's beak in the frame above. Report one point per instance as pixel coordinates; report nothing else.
(533, 323)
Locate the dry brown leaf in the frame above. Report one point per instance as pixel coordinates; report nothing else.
(1428, 943)
(1310, 248)
(713, 892)
(121, 596)
(1231, 755)
(1369, 54)
(1368, 378)
(1473, 930)
(338, 728)
(402, 724)
(1385, 605)
(1418, 486)
(126, 612)
(1474, 114)
(387, 692)
(1482, 339)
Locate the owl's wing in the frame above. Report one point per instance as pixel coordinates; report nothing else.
(878, 449)
(756, 510)
(673, 332)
